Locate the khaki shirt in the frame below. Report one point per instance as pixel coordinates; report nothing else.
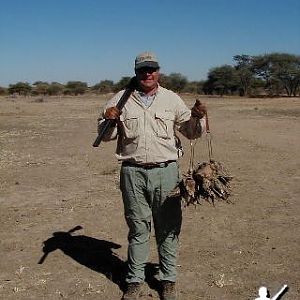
(148, 135)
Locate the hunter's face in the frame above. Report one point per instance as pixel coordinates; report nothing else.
(147, 78)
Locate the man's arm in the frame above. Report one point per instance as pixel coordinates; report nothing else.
(195, 126)
(107, 124)
(109, 112)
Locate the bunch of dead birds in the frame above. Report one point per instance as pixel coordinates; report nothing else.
(209, 181)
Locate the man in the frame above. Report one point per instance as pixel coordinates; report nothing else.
(147, 148)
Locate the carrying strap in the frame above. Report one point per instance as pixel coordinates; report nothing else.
(192, 156)
(208, 138)
(193, 143)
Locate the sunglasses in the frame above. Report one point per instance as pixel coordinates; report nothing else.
(147, 70)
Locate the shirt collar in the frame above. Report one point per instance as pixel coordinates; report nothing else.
(142, 94)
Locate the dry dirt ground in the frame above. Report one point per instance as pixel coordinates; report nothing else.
(55, 188)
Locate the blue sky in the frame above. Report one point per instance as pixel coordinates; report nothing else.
(90, 40)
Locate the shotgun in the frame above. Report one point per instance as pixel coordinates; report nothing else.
(109, 123)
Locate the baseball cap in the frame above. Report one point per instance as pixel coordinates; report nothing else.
(146, 59)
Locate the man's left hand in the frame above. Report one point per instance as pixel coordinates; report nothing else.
(198, 110)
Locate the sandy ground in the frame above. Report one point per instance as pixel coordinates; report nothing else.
(56, 188)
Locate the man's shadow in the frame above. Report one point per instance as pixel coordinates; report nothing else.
(97, 255)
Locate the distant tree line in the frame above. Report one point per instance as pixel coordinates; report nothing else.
(273, 74)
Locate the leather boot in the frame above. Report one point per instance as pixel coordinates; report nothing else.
(133, 291)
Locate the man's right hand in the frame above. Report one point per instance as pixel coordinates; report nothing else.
(112, 113)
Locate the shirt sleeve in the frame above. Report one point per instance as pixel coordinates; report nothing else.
(191, 128)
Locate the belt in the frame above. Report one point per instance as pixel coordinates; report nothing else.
(147, 165)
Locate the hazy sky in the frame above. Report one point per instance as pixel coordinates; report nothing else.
(93, 40)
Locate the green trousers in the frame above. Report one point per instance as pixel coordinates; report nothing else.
(144, 194)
